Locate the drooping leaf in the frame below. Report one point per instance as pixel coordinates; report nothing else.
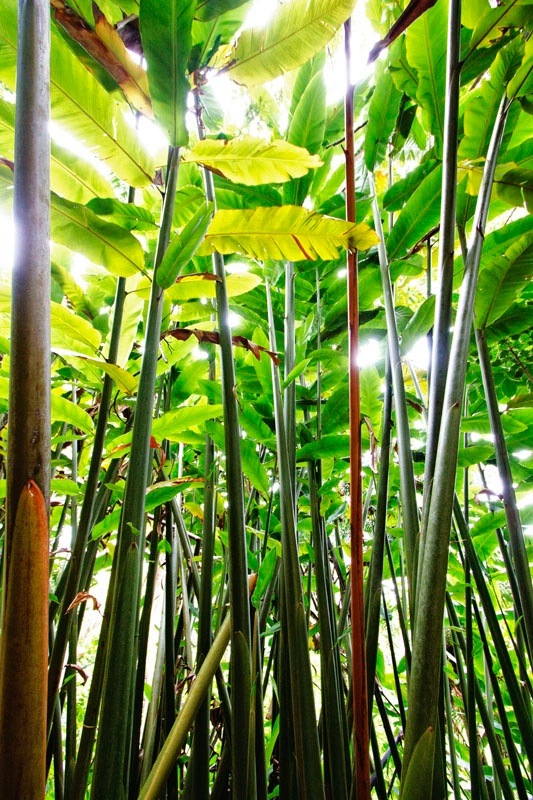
(71, 176)
(71, 332)
(83, 108)
(298, 31)
(501, 279)
(419, 324)
(61, 409)
(107, 48)
(124, 381)
(288, 232)
(78, 228)
(426, 47)
(252, 161)
(400, 191)
(182, 334)
(382, 112)
(183, 246)
(210, 34)
(167, 40)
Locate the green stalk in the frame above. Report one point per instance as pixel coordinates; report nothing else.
(241, 639)
(361, 728)
(165, 763)
(24, 641)
(516, 536)
(443, 309)
(405, 457)
(425, 682)
(375, 575)
(74, 572)
(111, 769)
(306, 746)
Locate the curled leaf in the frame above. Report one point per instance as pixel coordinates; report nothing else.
(182, 334)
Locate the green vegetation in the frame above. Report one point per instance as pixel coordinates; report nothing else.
(206, 402)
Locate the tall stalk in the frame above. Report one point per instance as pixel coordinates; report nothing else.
(24, 643)
(424, 686)
(360, 703)
(241, 639)
(443, 309)
(111, 770)
(516, 536)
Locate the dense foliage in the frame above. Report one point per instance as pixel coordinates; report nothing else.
(200, 454)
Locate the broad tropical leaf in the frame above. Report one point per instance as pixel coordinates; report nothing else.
(253, 161)
(289, 232)
(411, 226)
(501, 280)
(71, 175)
(382, 113)
(406, 18)
(72, 333)
(299, 30)
(507, 14)
(78, 228)
(166, 36)
(426, 45)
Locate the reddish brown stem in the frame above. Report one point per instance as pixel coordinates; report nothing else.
(360, 704)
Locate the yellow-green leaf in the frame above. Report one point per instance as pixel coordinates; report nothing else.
(252, 161)
(286, 232)
(299, 30)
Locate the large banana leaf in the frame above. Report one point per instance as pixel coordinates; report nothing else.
(382, 113)
(502, 279)
(79, 229)
(411, 226)
(287, 232)
(298, 31)
(82, 107)
(426, 53)
(253, 161)
(167, 40)
(70, 175)
(210, 34)
(508, 13)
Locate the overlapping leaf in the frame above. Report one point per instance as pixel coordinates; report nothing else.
(286, 232)
(252, 161)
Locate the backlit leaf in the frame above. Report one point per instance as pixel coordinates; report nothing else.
(288, 232)
(253, 161)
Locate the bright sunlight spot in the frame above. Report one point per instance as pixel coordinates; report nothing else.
(369, 353)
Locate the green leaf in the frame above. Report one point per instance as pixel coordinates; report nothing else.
(507, 14)
(288, 232)
(411, 226)
(71, 332)
(474, 454)
(400, 191)
(502, 279)
(382, 113)
(194, 286)
(252, 161)
(123, 380)
(127, 215)
(299, 30)
(426, 47)
(78, 228)
(172, 424)
(264, 576)
(167, 40)
(210, 34)
(419, 324)
(67, 411)
(333, 446)
(183, 246)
